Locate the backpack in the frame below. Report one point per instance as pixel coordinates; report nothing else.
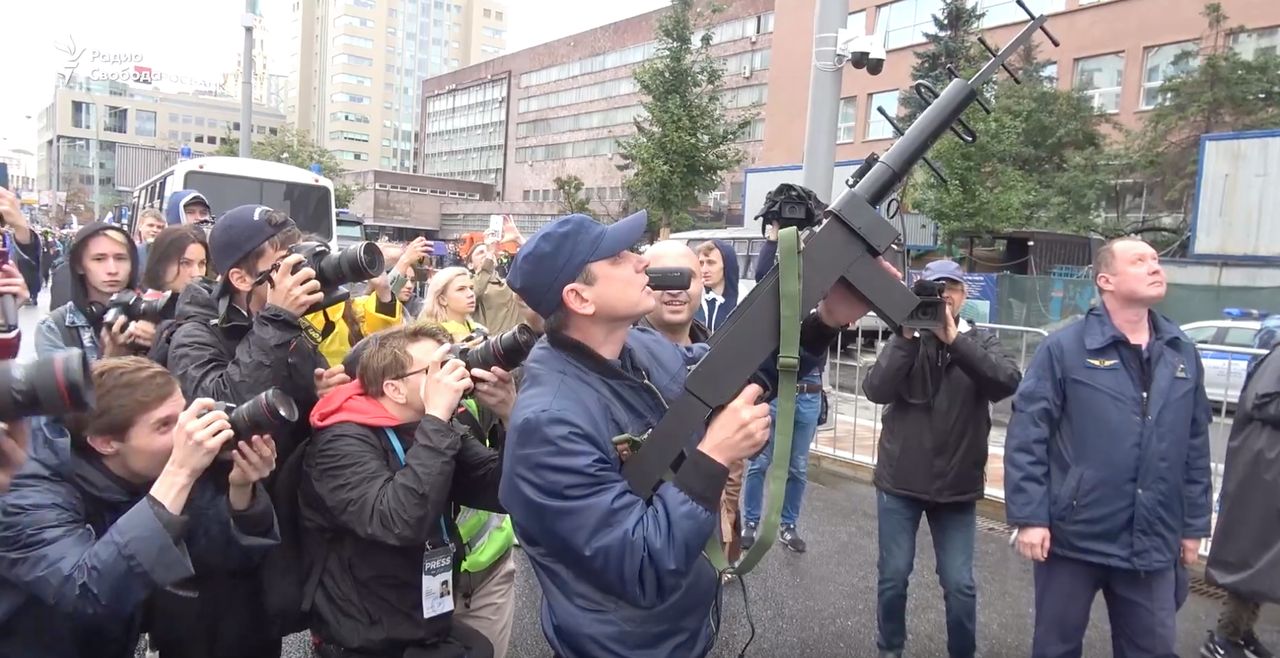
(288, 585)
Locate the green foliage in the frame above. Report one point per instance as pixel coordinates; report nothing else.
(685, 142)
(572, 201)
(953, 42)
(295, 147)
(1037, 163)
(1223, 92)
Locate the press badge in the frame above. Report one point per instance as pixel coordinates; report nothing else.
(437, 582)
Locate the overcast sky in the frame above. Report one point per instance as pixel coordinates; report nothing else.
(198, 39)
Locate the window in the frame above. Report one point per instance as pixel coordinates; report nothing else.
(848, 119)
(116, 120)
(347, 20)
(857, 22)
(1050, 73)
(349, 79)
(497, 16)
(1100, 79)
(488, 13)
(351, 155)
(1239, 337)
(1162, 63)
(905, 22)
(82, 114)
(877, 127)
(353, 60)
(493, 33)
(342, 97)
(348, 117)
(1256, 42)
(363, 4)
(1003, 12)
(354, 41)
(200, 121)
(348, 136)
(146, 123)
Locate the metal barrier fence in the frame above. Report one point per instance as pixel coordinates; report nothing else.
(853, 424)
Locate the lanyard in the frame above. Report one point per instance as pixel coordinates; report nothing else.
(395, 444)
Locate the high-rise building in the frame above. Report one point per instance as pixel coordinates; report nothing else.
(356, 68)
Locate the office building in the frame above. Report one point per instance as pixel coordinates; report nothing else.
(21, 164)
(125, 127)
(521, 120)
(356, 66)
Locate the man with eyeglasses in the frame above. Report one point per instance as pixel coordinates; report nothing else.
(231, 341)
(383, 481)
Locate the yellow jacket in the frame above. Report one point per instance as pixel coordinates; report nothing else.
(335, 335)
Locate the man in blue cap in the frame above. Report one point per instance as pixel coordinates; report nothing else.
(620, 576)
(939, 386)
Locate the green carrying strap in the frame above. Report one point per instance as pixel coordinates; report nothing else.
(789, 278)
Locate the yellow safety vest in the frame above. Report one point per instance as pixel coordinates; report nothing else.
(488, 536)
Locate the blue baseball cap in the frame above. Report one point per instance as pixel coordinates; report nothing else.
(558, 253)
(940, 270)
(238, 232)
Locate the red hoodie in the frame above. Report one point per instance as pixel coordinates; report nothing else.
(349, 404)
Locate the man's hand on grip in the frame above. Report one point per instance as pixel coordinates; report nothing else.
(739, 430)
(292, 291)
(446, 382)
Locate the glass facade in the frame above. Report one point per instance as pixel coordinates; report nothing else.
(466, 132)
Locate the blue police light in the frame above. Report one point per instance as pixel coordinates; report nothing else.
(184, 153)
(315, 168)
(1245, 313)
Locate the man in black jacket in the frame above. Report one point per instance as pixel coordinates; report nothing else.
(381, 479)
(932, 458)
(232, 341)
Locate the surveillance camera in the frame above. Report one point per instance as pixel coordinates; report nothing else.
(875, 60)
(862, 51)
(858, 60)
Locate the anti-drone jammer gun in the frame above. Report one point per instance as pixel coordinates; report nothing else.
(847, 244)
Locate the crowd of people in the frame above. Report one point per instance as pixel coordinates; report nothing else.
(380, 506)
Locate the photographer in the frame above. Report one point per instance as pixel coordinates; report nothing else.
(102, 262)
(241, 336)
(621, 575)
(939, 387)
(124, 505)
(382, 478)
(25, 248)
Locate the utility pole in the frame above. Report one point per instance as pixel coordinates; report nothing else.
(93, 158)
(246, 79)
(824, 98)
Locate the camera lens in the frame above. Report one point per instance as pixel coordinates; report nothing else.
(264, 414)
(506, 350)
(155, 310)
(359, 262)
(50, 386)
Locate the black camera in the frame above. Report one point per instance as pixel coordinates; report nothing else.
(669, 278)
(54, 385)
(929, 312)
(791, 205)
(359, 262)
(131, 305)
(506, 350)
(267, 413)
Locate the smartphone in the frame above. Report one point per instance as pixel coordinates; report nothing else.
(670, 278)
(4, 175)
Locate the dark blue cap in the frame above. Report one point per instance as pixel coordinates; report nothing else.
(558, 253)
(939, 270)
(238, 232)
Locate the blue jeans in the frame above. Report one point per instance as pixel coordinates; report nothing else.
(953, 526)
(806, 425)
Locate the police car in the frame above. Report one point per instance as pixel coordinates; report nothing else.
(1224, 372)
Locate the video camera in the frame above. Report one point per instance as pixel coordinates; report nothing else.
(357, 263)
(791, 205)
(267, 413)
(54, 385)
(507, 350)
(928, 313)
(131, 305)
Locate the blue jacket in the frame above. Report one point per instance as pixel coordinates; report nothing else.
(81, 551)
(731, 283)
(1118, 479)
(620, 576)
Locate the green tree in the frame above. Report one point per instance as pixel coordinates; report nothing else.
(295, 147)
(954, 42)
(1035, 164)
(571, 199)
(685, 140)
(1221, 92)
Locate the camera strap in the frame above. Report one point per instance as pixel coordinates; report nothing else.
(789, 278)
